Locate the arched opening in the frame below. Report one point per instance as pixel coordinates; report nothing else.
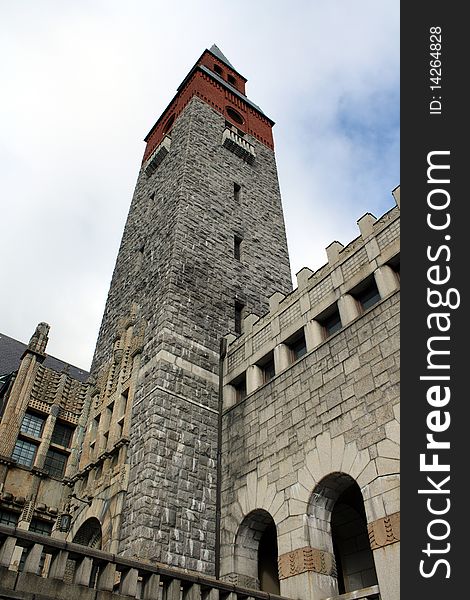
(268, 573)
(354, 560)
(256, 553)
(89, 534)
(337, 520)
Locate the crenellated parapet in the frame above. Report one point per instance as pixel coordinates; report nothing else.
(310, 425)
(354, 279)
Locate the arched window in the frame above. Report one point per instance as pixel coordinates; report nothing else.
(337, 519)
(89, 534)
(256, 552)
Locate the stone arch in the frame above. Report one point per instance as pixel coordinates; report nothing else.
(256, 552)
(338, 525)
(89, 534)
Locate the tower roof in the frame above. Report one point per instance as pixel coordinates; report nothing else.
(216, 51)
(12, 350)
(214, 79)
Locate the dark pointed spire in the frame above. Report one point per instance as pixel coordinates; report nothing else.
(216, 51)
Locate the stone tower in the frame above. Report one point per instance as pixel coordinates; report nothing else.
(204, 245)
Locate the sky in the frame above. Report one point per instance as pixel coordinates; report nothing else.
(83, 83)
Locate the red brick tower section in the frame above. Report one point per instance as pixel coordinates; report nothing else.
(214, 80)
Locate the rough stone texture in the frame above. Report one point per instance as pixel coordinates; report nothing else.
(145, 440)
(331, 416)
(177, 263)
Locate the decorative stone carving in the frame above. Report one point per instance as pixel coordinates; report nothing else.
(38, 340)
(306, 559)
(384, 531)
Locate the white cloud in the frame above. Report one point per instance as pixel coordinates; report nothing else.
(84, 82)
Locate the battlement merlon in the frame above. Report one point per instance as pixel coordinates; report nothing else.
(370, 261)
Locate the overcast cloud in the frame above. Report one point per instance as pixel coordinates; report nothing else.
(83, 83)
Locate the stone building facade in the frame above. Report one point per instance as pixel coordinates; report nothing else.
(311, 425)
(229, 426)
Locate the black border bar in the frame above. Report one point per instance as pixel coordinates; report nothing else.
(435, 332)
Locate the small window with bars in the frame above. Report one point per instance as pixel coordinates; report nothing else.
(32, 424)
(239, 306)
(62, 434)
(9, 518)
(39, 526)
(24, 453)
(237, 247)
(55, 463)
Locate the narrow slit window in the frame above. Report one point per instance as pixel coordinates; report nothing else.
(32, 425)
(55, 463)
(267, 367)
(240, 389)
(237, 189)
(62, 434)
(237, 250)
(238, 316)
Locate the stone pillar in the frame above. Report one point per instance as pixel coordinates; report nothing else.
(78, 447)
(230, 396)
(314, 334)
(254, 378)
(46, 437)
(103, 429)
(20, 392)
(116, 426)
(90, 437)
(386, 280)
(307, 573)
(384, 536)
(348, 309)
(106, 578)
(282, 357)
